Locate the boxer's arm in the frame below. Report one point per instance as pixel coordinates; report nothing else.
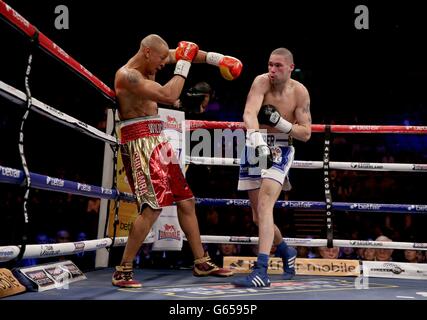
(167, 94)
(254, 101)
(230, 67)
(171, 58)
(147, 89)
(250, 115)
(134, 83)
(254, 138)
(301, 130)
(200, 57)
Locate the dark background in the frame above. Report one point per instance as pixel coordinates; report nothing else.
(374, 76)
(368, 74)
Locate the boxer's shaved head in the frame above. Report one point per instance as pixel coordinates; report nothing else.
(153, 41)
(285, 53)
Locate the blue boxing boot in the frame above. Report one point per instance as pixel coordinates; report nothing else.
(258, 277)
(288, 255)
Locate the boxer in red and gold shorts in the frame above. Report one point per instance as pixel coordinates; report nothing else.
(151, 166)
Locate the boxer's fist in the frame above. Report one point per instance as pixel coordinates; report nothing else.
(270, 116)
(186, 51)
(230, 67)
(259, 152)
(265, 156)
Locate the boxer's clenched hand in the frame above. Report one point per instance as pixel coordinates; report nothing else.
(184, 55)
(229, 67)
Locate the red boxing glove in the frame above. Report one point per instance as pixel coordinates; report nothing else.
(186, 51)
(229, 67)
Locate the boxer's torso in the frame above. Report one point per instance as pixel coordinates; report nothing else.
(132, 105)
(284, 100)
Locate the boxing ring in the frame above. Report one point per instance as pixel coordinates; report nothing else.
(179, 284)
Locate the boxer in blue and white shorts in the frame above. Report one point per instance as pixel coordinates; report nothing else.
(277, 109)
(282, 152)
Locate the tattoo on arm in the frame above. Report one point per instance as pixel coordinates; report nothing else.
(133, 76)
(306, 110)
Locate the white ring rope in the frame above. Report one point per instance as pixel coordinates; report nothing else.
(59, 249)
(19, 97)
(306, 242)
(299, 164)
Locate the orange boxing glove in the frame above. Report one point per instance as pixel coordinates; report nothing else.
(229, 67)
(184, 54)
(186, 51)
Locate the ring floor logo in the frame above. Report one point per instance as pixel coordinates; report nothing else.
(226, 290)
